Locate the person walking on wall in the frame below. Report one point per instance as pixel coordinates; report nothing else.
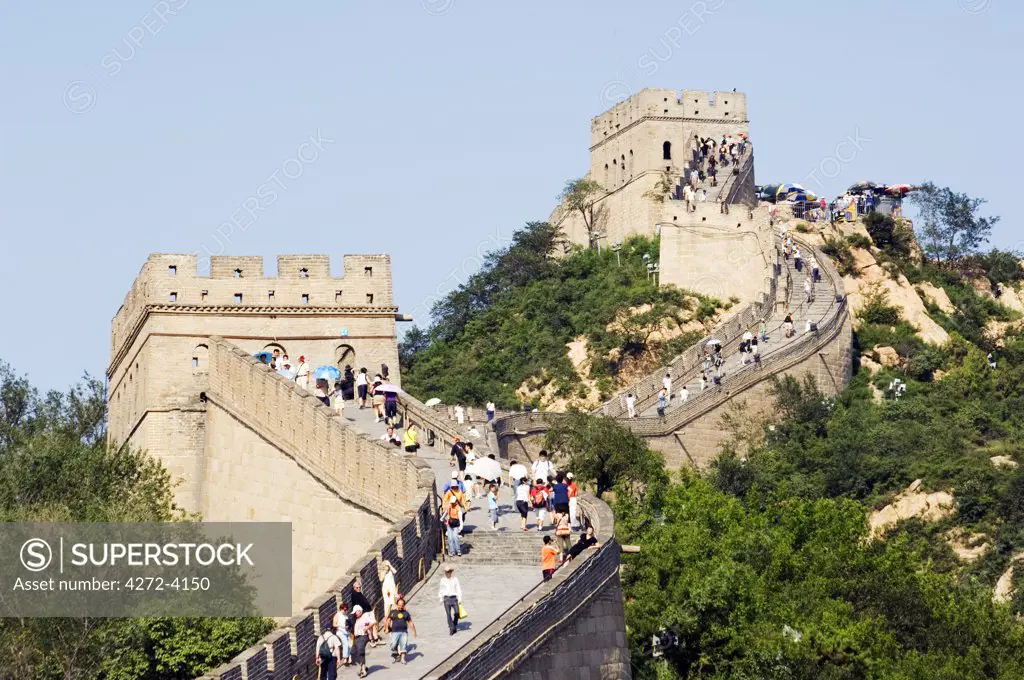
(631, 405)
(522, 496)
(343, 629)
(662, 402)
(361, 630)
(362, 385)
(574, 500)
(450, 594)
(490, 411)
(302, 373)
(398, 624)
(548, 559)
(328, 654)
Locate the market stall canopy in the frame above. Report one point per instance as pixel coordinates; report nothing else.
(899, 189)
(861, 187)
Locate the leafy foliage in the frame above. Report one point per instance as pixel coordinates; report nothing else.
(771, 587)
(602, 451)
(581, 196)
(55, 467)
(950, 227)
(512, 320)
(891, 237)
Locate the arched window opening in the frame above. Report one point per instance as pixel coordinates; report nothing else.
(201, 358)
(666, 151)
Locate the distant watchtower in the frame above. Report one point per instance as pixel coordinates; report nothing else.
(652, 132)
(159, 350)
(645, 143)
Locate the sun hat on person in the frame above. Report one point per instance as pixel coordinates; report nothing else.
(357, 609)
(455, 474)
(568, 475)
(449, 569)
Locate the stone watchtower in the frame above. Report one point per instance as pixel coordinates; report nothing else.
(160, 351)
(639, 142)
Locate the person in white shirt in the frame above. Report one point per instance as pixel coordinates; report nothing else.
(666, 382)
(684, 395)
(328, 653)
(390, 437)
(302, 373)
(516, 471)
(703, 195)
(490, 411)
(450, 594)
(631, 405)
(362, 384)
(522, 495)
(460, 414)
(543, 468)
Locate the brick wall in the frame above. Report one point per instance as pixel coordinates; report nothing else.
(305, 465)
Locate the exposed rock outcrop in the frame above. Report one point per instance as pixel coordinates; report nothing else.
(967, 546)
(928, 507)
(872, 279)
(936, 296)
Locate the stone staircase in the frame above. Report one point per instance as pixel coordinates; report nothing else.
(483, 545)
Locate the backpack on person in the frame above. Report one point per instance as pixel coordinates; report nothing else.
(325, 650)
(538, 497)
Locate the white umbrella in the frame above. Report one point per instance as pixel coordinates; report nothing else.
(714, 341)
(433, 401)
(485, 468)
(387, 387)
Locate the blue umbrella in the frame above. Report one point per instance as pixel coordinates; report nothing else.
(327, 373)
(263, 357)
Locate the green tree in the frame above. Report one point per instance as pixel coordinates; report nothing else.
(602, 451)
(55, 466)
(950, 227)
(581, 196)
(793, 589)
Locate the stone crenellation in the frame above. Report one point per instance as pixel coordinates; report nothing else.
(239, 282)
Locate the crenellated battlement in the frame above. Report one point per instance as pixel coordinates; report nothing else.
(239, 282)
(690, 106)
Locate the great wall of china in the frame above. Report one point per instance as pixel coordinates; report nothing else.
(249, 445)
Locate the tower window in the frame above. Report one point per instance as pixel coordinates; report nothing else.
(369, 298)
(337, 297)
(173, 297)
(238, 273)
(303, 273)
(305, 298)
(368, 271)
(238, 298)
(666, 151)
(172, 270)
(203, 294)
(270, 296)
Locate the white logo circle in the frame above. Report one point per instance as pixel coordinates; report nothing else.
(975, 6)
(79, 97)
(36, 554)
(438, 7)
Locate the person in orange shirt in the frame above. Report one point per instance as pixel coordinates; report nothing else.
(548, 559)
(574, 501)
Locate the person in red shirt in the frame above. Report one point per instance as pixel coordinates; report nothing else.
(548, 559)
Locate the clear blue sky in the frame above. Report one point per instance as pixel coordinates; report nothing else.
(454, 122)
